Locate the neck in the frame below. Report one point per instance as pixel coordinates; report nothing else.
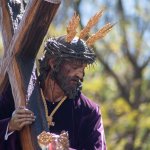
(52, 92)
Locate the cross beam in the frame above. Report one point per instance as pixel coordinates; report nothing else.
(21, 46)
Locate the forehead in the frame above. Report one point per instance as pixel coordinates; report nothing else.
(75, 62)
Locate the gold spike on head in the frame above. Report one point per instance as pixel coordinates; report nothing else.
(100, 34)
(71, 28)
(90, 24)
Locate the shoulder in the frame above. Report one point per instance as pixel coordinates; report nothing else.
(86, 104)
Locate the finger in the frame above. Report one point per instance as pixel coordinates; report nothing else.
(23, 111)
(19, 116)
(16, 123)
(25, 119)
(24, 124)
(21, 107)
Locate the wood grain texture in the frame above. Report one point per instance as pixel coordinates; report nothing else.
(6, 26)
(7, 33)
(19, 96)
(22, 47)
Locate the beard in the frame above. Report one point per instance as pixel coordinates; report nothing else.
(70, 85)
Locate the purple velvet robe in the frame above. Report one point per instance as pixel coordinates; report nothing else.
(6, 109)
(80, 117)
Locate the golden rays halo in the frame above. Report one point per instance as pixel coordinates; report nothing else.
(84, 32)
(71, 28)
(99, 34)
(74, 22)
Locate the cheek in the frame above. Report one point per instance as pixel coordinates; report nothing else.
(68, 71)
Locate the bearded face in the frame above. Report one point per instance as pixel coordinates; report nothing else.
(70, 78)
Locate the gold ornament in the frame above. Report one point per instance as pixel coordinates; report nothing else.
(99, 34)
(47, 140)
(84, 32)
(71, 28)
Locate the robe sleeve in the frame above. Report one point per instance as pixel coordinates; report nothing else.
(3, 128)
(99, 130)
(13, 141)
(93, 132)
(6, 109)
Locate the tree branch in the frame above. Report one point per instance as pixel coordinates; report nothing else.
(121, 87)
(125, 46)
(145, 63)
(76, 6)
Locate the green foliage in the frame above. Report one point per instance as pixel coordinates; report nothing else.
(119, 82)
(120, 120)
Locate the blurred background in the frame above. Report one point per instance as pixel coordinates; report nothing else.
(119, 81)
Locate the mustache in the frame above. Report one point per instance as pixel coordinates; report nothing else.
(76, 79)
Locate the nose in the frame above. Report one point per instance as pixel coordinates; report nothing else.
(80, 73)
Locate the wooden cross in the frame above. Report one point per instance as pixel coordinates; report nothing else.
(23, 33)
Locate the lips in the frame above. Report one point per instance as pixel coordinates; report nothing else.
(74, 81)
